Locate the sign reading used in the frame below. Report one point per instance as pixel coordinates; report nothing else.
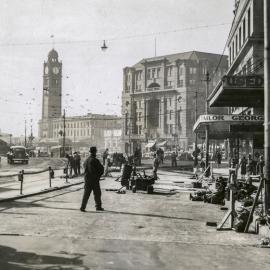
(249, 81)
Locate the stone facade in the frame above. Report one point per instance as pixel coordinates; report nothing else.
(246, 44)
(158, 97)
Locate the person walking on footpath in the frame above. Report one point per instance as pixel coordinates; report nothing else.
(70, 159)
(250, 166)
(155, 166)
(260, 166)
(243, 167)
(218, 158)
(75, 164)
(174, 161)
(78, 163)
(93, 171)
(105, 155)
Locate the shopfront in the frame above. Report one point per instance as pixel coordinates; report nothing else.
(242, 134)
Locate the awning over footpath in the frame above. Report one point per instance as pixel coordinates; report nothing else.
(238, 91)
(150, 144)
(161, 144)
(222, 126)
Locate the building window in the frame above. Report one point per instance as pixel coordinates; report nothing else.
(244, 30)
(180, 71)
(233, 50)
(240, 37)
(236, 44)
(158, 72)
(192, 70)
(170, 115)
(148, 74)
(192, 82)
(153, 72)
(140, 117)
(204, 70)
(180, 83)
(248, 23)
(168, 84)
(230, 54)
(244, 70)
(169, 71)
(139, 75)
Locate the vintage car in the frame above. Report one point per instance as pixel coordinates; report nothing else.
(17, 154)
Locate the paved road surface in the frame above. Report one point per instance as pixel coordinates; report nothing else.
(137, 231)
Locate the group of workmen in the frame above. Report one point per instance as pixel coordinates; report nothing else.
(74, 164)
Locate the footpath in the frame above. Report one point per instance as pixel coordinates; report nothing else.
(37, 181)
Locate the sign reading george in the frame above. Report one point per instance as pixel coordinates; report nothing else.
(230, 118)
(249, 81)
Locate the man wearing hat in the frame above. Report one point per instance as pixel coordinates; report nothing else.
(93, 171)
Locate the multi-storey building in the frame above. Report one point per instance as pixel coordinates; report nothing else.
(158, 98)
(242, 88)
(79, 130)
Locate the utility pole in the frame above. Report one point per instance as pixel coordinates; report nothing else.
(266, 104)
(25, 133)
(207, 173)
(155, 46)
(10, 135)
(196, 135)
(64, 134)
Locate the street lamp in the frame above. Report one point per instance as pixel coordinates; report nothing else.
(104, 46)
(207, 173)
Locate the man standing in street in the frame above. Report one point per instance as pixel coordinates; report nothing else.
(174, 161)
(93, 172)
(155, 166)
(105, 155)
(78, 163)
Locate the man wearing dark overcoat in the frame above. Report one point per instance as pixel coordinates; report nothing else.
(93, 171)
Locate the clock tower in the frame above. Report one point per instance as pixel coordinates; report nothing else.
(52, 87)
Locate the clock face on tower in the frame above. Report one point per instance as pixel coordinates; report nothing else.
(46, 70)
(55, 70)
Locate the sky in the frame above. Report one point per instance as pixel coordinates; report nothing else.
(92, 79)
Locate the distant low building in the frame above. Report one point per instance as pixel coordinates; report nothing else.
(112, 139)
(80, 131)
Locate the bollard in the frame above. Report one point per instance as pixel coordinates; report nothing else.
(20, 178)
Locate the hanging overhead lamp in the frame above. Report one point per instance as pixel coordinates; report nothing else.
(104, 46)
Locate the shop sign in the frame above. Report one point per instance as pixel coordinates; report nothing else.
(230, 118)
(249, 81)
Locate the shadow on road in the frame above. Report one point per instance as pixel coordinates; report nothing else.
(16, 204)
(117, 213)
(17, 260)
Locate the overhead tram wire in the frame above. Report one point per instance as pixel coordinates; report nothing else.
(113, 38)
